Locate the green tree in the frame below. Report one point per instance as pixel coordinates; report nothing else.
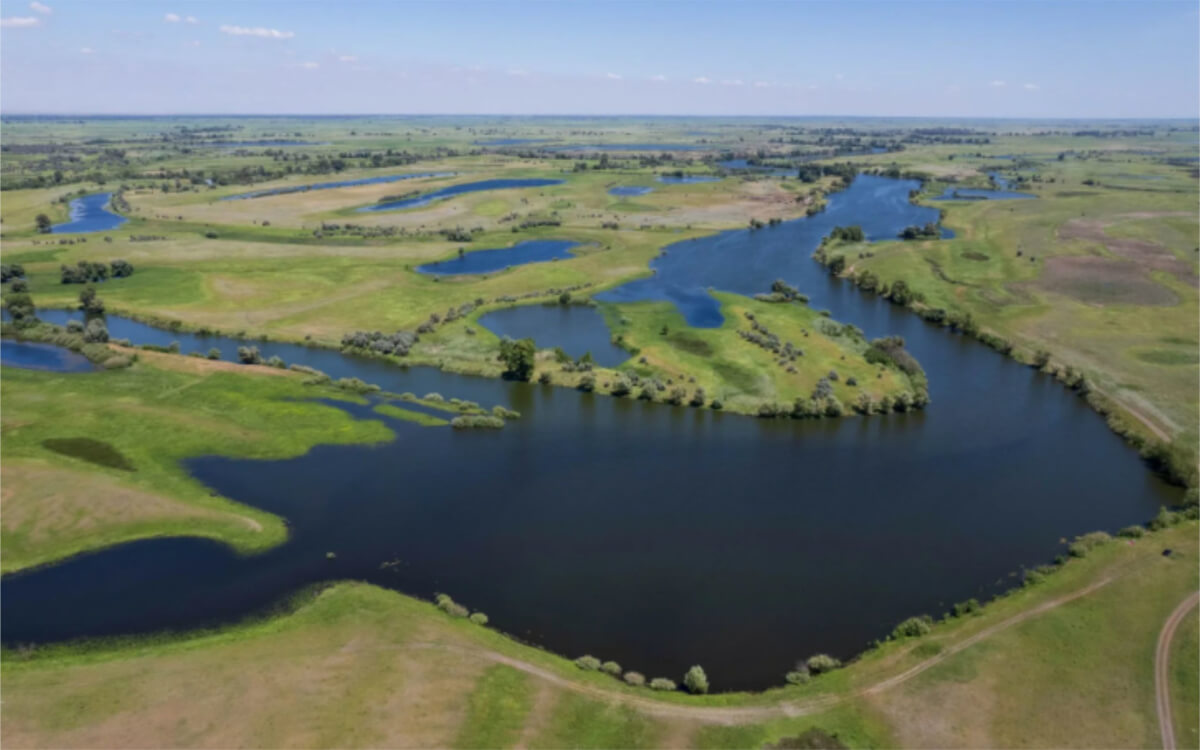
(91, 305)
(43, 223)
(518, 358)
(695, 680)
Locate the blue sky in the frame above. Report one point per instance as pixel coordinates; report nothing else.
(970, 59)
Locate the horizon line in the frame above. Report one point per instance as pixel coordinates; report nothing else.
(1186, 118)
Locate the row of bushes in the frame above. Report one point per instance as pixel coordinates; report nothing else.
(86, 271)
(694, 680)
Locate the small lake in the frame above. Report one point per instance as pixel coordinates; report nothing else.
(953, 193)
(278, 143)
(653, 535)
(510, 141)
(31, 355)
(500, 258)
(453, 190)
(687, 179)
(90, 213)
(339, 184)
(576, 329)
(634, 147)
(628, 190)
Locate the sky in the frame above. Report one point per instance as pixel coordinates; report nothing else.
(894, 58)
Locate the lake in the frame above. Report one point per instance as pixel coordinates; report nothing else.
(628, 190)
(31, 355)
(469, 187)
(338, 184)
(498, 259)
(653, 535)
(576, 329)
(90, 214)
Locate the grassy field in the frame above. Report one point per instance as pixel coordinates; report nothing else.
(129, 483)
(355, 665)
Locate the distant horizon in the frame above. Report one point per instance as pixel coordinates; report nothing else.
(335, 115)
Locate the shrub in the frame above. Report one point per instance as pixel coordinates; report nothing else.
(695, 680)
(505, 413)
(249, 355)
(637, 679)
(214, 353)
(95, 332)
(544, 378)
(355, 385)
(1086, 543)
(74, 326)
(612, 668)
(276, 362)
(797, 677)
(1132, 532)
(621, 387)
(588, 663)
(822, 663)
(450, 607)
(479, 618)
(587, 383)
(662, 683)
(913, 627)
(970, 606)
(518, 358)
(477, 421)
(1164, 519)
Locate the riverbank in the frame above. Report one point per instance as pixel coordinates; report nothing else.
(1017, 666)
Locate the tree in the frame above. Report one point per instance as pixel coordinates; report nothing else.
(43, 223)
(91, 305)
(96, 331)
(695, 680)
(518, 358)
(20, 306)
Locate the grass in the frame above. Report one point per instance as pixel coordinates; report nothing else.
(497, 709)
(148, 418)
(1185, 681)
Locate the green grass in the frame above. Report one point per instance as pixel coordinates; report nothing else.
(1185, 681)
(579, 722)
(408, 415)
(497, 709)
(152, 418)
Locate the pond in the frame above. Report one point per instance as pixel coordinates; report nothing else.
(953, 193)
(30, 355)
(338, 184)
(498, 259)
(576, 329)
(687, 179)
(628, 190)
(510, 141)
(469, 187)
(656, 536)
(90, 214)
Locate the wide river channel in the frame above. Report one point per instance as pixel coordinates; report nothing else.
(653, 535)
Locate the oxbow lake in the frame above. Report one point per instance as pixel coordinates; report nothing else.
(653, 535)
(90, 213)
(469, 187)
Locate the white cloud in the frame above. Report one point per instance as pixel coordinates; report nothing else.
(172, 18)
(19, 22)
(612, 76)
(310, 65)
(257, 31)
(998, 84)
(45, 10)
(348, 59)
(732, 82)
(192, 19)
(660, 78)
(1031, 87)
(87, 51)
(701, 80)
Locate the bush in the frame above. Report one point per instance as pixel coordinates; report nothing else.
(662, 683)
(637, 679)
(214, 353)
(74, 326)
(970, 606)
(797, 677)
(822, 663)
(1164, 519)
(477, 421)
(1086, 543)
(450, 607)
(95, 332)
(1132, 532)
(588, 663)
(517, 357)
(505, 413)
(612, 668)
(249, 355)
(355, 385)
(913, 627)
(695, 680)
(587, 383)
(479, 618)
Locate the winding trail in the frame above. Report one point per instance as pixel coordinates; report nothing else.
(1162, 658)
(746, 714)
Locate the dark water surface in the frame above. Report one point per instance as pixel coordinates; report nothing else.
(497, 259)
(90, 214)
(687, 179)
(576, 329)
(627, 190)
(469, 187)
(657, 536)
(338, 184)
(30, 355)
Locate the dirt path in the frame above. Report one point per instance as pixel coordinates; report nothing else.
(1162, 658)
(747, 714)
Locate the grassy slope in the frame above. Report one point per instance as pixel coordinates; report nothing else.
(156, 413)
(361, 666)
(1185, 682)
